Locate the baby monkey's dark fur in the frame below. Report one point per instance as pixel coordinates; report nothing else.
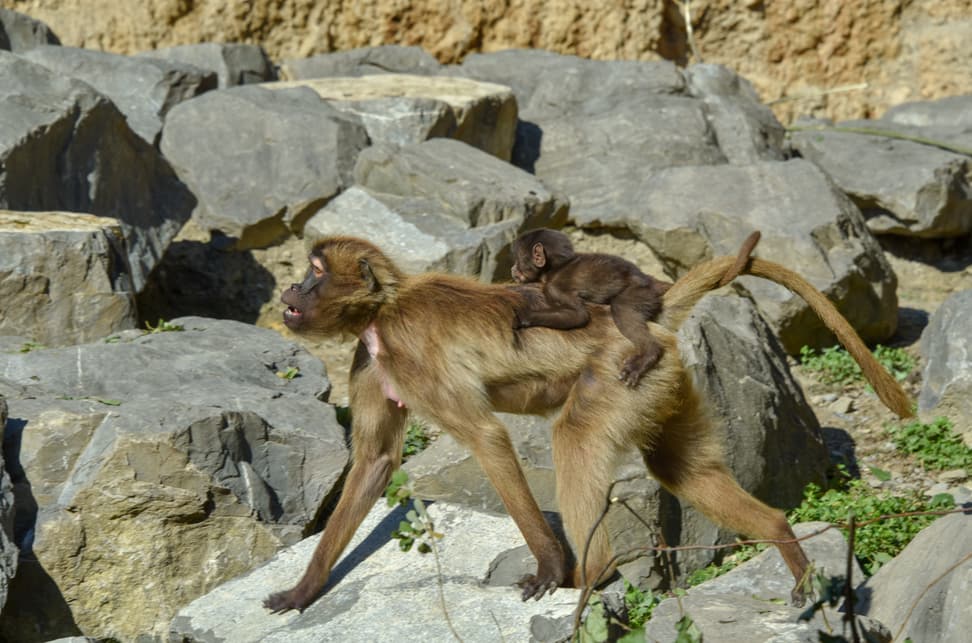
(571, 280)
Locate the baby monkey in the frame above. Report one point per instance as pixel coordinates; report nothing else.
(572, 279)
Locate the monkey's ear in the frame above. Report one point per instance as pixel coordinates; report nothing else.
(539, 256)
(368, 275)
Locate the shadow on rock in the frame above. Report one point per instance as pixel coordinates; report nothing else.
(842, 449)
(35, 608)
(198, 278)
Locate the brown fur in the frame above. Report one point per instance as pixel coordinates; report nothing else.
(448, 349)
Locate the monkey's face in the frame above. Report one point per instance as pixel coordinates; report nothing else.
(339, 293)
(303, 299)
(524, 268)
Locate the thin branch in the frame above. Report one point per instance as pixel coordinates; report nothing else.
(686, 8)
(587, 590)
(440, 582)
(848, 585)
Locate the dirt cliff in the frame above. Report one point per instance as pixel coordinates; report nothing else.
(874, 53)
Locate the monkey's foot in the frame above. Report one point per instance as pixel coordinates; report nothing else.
(637, 365)
(534, 586)
(281, 602)
(798, 596)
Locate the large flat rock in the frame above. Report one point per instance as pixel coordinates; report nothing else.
(485, 114)
(378, 593)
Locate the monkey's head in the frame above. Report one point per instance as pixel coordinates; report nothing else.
(347, 281)
(539, 251)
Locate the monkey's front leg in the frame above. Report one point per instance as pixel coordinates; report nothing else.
(377, 432)
(490, 444)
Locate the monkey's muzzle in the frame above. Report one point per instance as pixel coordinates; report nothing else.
(292, 316)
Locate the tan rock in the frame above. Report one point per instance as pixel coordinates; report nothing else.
(146, 538)
(63, 278)
(485, 113)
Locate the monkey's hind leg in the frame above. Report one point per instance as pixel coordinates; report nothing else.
(631, 310)
(585, 458)
(687, 460)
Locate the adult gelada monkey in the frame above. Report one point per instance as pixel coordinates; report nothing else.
(443, 346)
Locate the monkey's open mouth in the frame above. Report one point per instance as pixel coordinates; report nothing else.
(292, 315)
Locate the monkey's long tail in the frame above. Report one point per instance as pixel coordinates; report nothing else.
(686, 292)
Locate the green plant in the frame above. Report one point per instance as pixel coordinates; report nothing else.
(877, 542)
(935, 445)
(598, 626)
(895, 360)
(834, 365)
(416, 439)
(417, 526)
(162, 327)
(687, 631)
(289, 374)
(31, 346)
(640, 604)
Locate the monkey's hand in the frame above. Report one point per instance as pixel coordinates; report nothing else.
(280, 602)
(519, 323)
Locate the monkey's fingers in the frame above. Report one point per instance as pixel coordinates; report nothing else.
(535, 588)
(280, 602)
(798, 597)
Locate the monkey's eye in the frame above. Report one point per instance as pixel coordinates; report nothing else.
(317, 272)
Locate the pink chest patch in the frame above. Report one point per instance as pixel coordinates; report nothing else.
(373, 344)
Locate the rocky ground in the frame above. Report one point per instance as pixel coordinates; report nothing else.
(854, 420)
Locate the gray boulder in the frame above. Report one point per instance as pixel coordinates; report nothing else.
(417, 233)
(8, 550)
(951, 112)
(946, 346)
(278, 175)
(750, 603)
(742, 370)
(379, 593)
(65, 147)
(19, 32)
(384, 59)
(596, 129)
(440, 205)
(745, 128)
(689, 214)
(164, 463)
(766, 577)
(64, 277)
(466, 183)
(902, 187)
(923, 594)
(144, 89)
(234, 63)
(406, 108)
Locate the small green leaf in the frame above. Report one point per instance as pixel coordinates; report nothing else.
(289, 374)
(687, 631)
(880, 474)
